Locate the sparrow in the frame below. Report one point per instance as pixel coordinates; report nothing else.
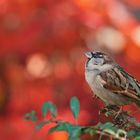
(109, 81)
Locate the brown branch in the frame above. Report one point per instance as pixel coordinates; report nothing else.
(109, 135)
(123, 118)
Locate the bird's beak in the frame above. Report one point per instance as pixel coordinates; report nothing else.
(88, 55)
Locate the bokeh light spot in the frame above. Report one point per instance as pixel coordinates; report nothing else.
(135, 35)
(38, 66)
(111, 38)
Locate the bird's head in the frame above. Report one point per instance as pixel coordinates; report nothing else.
(98, 61)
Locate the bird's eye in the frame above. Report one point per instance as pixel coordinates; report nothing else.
(97, 55)
(100, 55)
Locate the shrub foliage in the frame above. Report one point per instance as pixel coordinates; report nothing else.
(123, 127)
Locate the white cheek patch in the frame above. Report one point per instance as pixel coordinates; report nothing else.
(97, 67)
(91, 65)
(100, 68)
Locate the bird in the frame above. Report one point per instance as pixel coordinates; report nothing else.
(109, 81)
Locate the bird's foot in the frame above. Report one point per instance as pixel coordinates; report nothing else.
(118, 112)
(110, 110)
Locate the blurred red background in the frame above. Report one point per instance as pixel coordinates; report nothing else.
(42, 45)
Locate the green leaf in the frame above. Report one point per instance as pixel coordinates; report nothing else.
(45, 108)
(92, 132)
(89, 130)
(53, 110)
(137, 138)
(76, 138)
(138, 124)
(40, 125)
(56, 128)
(68, 128)
(62, 127)
(27, 116)
(132, 133)
(49, 106)
(31, 116)
(75, 107)
(75, 132)
(107, 125)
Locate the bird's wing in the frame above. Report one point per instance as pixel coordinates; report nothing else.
(120, 82)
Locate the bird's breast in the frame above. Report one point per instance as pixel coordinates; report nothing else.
(96, 84)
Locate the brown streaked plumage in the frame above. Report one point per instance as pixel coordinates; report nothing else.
(109, 81)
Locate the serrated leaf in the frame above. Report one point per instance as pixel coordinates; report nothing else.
(49, 106)
(75, 107)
